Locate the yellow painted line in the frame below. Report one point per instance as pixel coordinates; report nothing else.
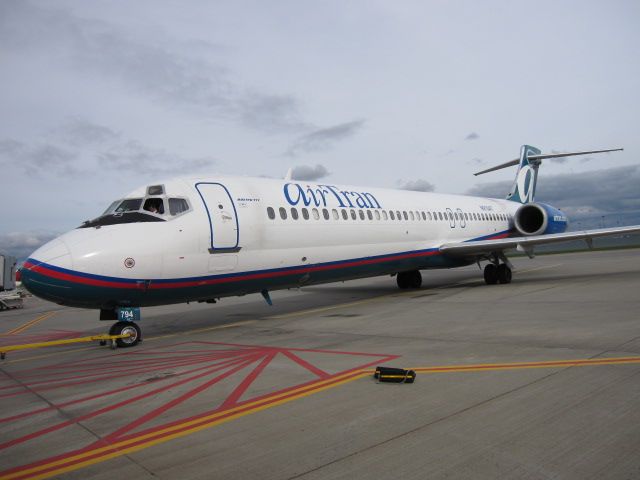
(65, 341)
(141, 442)
(29, 324)
(584, 362)
(177, 431)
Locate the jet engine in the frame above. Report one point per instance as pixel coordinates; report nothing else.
(539, 219)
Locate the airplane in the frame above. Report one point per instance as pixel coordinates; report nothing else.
(193, 239)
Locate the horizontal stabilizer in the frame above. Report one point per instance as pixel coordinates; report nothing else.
(545, 156)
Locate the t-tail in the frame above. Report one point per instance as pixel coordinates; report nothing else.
(524, 186)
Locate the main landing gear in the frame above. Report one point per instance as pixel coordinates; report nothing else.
(500, 273)
(412, 279)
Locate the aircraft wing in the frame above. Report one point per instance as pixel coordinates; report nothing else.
(526, 244)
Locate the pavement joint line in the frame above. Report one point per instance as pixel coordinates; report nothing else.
(543, 267)
(28, 325)
(140, 442)
(342, 305)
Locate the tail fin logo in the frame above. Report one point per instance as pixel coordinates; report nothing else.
(526, 183)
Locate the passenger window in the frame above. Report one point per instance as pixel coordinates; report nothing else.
(411, 215)
(305, 214)
(440, 215)
(424, 216)
(345, 215)
(391, 215)
(325, 213)
(316, 215)
(353, 215)
(384, 215)
(377, 214)
(294, 213)
(430, 218)
(406, 217)
(361, 215)
(335, 214)
(283, 213)
(398, 215)
(270, 213)
(466, 216)
(154, 205)
(369, 214)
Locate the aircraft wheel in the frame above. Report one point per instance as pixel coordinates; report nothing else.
(402, 280)
(415, 279)
(491, 274)
(504, 274)
(123, 328)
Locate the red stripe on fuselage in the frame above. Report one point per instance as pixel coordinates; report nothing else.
(78, 279)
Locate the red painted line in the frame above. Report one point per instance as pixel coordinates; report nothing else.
(303, 363)
(179, 426)
(176, 401)
(109, 408)
(267, 396)
(107, 393)
(233, 398)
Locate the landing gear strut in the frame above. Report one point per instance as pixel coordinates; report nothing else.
(412, 279)
(497, 274)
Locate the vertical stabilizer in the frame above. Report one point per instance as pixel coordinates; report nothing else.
(524, 186)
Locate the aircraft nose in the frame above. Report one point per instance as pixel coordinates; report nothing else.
(50, 257)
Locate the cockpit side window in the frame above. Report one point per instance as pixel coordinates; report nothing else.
(178, 206)
(154, 205)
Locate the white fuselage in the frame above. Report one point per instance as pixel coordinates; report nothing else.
(241, 235)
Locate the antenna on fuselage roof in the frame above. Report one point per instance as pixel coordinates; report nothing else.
(288, 174)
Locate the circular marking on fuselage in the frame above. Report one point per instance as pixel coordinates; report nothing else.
(129, 262)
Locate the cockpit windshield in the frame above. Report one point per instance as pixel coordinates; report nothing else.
(135, 210)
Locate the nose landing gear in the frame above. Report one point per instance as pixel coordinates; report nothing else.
(125, 327)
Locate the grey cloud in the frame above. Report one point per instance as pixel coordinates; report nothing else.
(472, 136)
(610, 190)
(35, 159)
(22, 244)
(133, 157)
(170, 72)
(418, 185)
(80, 132)
(306, 172)
(324, 138)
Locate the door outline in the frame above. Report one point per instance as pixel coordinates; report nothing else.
(212, 248)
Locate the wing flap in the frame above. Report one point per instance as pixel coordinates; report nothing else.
(479, 247)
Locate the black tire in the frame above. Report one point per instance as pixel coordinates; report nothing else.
(504, 274)
(121, 328)
(415, 279)
(401, 279)
(490, 274)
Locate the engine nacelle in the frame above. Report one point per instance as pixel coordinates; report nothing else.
(539, 219)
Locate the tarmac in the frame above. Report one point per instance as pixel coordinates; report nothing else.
(538, 379)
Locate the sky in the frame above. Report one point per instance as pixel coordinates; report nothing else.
(101, 97)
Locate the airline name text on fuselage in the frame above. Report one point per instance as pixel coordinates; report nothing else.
(328, 195)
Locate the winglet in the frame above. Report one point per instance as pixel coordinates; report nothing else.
(288, 175)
